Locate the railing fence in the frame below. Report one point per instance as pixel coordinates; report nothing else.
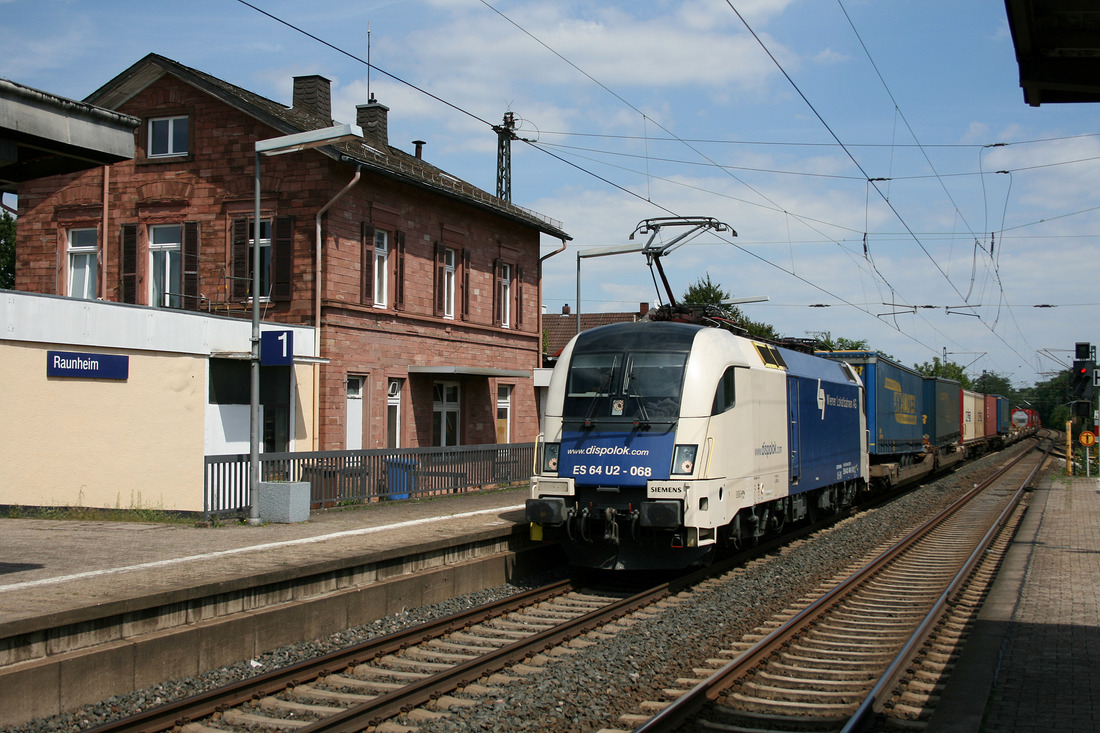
(364, 476)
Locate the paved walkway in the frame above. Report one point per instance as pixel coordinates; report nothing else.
(50, 567)
(1033, 661)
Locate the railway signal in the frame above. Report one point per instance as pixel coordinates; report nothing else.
(1083, 374)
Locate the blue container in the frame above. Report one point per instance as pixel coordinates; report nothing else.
(894, 397)
(1004, 416)
(942, 405)
(399, 476)
(824, 411)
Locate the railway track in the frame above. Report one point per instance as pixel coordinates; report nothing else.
(836, 662)
(414, 675)
(361, 687)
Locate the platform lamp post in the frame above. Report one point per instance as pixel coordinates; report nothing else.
(273, 146)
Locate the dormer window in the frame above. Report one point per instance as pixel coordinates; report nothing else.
(168, 137)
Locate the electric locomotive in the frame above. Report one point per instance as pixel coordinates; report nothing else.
(664, 441)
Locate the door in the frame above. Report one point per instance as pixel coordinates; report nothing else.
(793, 432)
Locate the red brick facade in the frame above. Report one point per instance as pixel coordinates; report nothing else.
(209, 191)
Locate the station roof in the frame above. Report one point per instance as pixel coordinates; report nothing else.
(42, 134)
(1057, 48)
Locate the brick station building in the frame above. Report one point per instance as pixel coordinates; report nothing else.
(425, 289)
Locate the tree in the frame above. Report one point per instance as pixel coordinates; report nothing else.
(945, 369)
(705, 292)
(7, 251)
(828, 343)
(993, 383)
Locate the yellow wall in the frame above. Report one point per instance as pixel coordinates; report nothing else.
(134, 444)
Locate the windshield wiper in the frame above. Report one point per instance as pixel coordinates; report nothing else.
(604, 391)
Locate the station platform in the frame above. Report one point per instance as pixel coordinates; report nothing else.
(55, 568)
(90, 609)
(1032, 661)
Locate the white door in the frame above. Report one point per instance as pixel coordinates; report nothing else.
(354, 426)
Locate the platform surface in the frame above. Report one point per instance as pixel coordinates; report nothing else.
(1032, 662)
(48, 567)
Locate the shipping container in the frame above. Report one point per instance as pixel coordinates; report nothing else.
(990, 415)
(1004, 416)
(893, 402)
(942, 415)
(973, 416)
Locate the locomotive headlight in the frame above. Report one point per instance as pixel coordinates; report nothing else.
(683, 459)
(550, 457)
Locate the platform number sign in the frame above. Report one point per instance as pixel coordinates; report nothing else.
(277, 348)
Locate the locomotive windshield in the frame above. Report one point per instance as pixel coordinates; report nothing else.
(639, 386)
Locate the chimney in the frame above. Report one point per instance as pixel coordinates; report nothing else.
(311, 94)
(565, 309)
(419, 148)
(372, 118)
(643, 308)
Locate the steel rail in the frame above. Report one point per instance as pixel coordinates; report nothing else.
(180, 712)
(691, 702)
(872, 705)
(373, 712)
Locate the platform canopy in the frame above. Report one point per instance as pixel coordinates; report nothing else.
(1057, 48)
(44, 135)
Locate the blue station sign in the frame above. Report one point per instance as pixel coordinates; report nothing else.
(87, 366)
(277, 348)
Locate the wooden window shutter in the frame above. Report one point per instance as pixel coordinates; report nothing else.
(498, 306)
(128, 264)
(517, 285)
(440, 279)
(190, 282)
(465, 284)
(366, 267)
(240, 284)
(399, 272)
(282, 258)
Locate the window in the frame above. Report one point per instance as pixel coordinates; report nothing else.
(393, 414)
(82, 263)
(449, 283)
(505, 294)
(504, 413)
(165, 241)
(725, 396)
(381, 281)
(265, 257)
(167, 137)
(445, 413)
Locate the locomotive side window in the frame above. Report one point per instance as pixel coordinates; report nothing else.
(725, 396)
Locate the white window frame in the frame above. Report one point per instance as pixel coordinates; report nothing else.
(171, 150)
(393, 413)
(381, 283)
(265, 258)
(504, 406)
(450, 258)
(505, 295)
(88, 256)
(170, 298)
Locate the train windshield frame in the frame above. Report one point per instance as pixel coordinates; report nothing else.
(625, 386)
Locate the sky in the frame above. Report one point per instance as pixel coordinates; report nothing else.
(884, 176)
